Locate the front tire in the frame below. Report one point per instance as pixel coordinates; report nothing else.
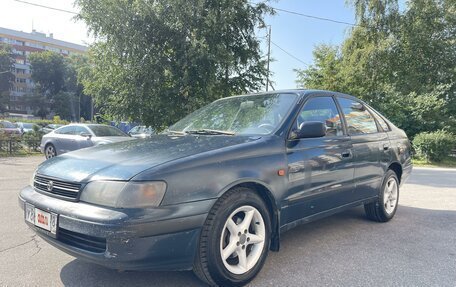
(50, 151)
(234, 241)
(384, 208)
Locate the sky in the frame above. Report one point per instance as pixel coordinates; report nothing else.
(295, 34)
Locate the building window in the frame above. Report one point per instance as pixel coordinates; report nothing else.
(34, 45)
(52, 49)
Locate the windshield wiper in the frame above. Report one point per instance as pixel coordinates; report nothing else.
(210, 132)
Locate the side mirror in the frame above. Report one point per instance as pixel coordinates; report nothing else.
(87, 135)
(310, 130)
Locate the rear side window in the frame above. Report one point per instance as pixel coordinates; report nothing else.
(322, 109)
(385, 127)
(359, 119)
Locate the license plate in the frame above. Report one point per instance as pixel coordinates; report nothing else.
(40, 218)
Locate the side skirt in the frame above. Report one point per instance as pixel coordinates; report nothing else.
(326, 213)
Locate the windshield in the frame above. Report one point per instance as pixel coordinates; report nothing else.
(27, 126)
(106, 131)
(258, 114)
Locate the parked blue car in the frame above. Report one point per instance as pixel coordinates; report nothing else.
(215, 192)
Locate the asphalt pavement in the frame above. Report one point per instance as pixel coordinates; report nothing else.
(416, 248)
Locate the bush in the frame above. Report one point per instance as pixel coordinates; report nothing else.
(33, 139)
(41, 123)
(434, 146)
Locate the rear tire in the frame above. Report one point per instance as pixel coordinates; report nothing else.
(384, 208)
(234, 240)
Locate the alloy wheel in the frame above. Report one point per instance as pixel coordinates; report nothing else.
(390, 195)
(50, 151)
(242, 240)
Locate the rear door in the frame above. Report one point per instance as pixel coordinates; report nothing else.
(370, 147)
(320, 170)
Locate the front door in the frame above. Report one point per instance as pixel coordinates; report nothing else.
(320, 170)
(81, 139)
(63, 139)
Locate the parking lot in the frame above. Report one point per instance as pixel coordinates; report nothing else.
(417, 248)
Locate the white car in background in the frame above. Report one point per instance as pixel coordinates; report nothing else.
(141, 132)
(76, 136)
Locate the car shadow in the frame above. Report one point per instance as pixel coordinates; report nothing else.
(307, 249)
(82, 273)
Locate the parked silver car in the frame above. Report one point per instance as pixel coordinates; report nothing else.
(141, 132)
(77, 136)
(25, 127)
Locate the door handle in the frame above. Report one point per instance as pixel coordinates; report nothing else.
(346, 154)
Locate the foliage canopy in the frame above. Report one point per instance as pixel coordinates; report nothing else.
(402, 63)
(156, 61)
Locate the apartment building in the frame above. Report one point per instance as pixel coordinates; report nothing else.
(23, 45)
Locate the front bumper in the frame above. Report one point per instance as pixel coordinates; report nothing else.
(163, 238)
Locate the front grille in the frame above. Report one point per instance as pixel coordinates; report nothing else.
(82, 241)
(57, 187)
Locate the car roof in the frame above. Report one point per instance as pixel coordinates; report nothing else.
(298, 91)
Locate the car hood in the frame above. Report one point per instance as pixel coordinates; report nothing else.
(123, 160)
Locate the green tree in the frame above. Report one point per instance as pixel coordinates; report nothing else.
(325, 73)
(424, 51)
(156, 61)
(402, 63)
(77, 67)
(58, 83)
(6, 76)
(48, 72)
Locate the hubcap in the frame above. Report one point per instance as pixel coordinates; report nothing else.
(390, 196)
(50, 152)
(242, 240)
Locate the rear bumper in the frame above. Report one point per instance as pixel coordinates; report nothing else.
(406, 171)
(162, 238)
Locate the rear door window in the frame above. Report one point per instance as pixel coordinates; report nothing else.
(359, 119)
(383, 124)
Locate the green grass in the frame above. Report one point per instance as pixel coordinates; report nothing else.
(447, 162)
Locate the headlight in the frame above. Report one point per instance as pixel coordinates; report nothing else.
(122, 194)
